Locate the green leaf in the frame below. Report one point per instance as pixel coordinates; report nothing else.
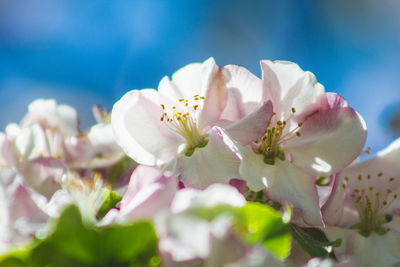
(313, 240)
(110, 202)
(324, 181)
(124, 165)
(74, 244)
(263, 225)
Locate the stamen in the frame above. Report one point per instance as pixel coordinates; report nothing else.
(185, 124)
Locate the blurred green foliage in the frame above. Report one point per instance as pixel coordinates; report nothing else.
(73, 244)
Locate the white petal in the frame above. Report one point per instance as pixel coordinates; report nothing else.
(63, 117)
(244, 93)
(214, 195)
(381, 173)
(288, 86)
(96, 149)
(334, 233)
(216, 162)
(254, 171)
(185, 83)
(138, 130)
(376, 250)
(292, 185)
(31, 143)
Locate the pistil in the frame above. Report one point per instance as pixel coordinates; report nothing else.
(269, 145)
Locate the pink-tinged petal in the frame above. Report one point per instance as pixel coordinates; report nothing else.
(44, 175)
(254, 171)
(376, 250)
(288, 86)
(329, 140)
(216, 162)
(338, 209)
(149, 191)
(335, 101)
(23, 206)
(294, 186)
(244, 93)
(239, 184)
(252, 127)
(215, 92)
(332, 210)
(139, 131)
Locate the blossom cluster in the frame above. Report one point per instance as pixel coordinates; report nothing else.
(217, 167)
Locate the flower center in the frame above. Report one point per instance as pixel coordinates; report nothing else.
(370, 202)
(270, 144)
(184, 122)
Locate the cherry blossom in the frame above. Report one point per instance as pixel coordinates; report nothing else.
(176, 125)
(311, 133)
(363, 209)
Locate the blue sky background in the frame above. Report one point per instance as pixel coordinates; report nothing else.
(91, 52)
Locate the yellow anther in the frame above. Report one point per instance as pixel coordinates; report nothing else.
(391, 179)
(298, 134)
(359, 177)
(300, 124)
(346, 178)
(380, 174)
(344, 186)
(162, 106)
(202, 97)
(181, 100)
(389, 191)
(293, 110)
(173, 107)
(195, 107)
(371, 188)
